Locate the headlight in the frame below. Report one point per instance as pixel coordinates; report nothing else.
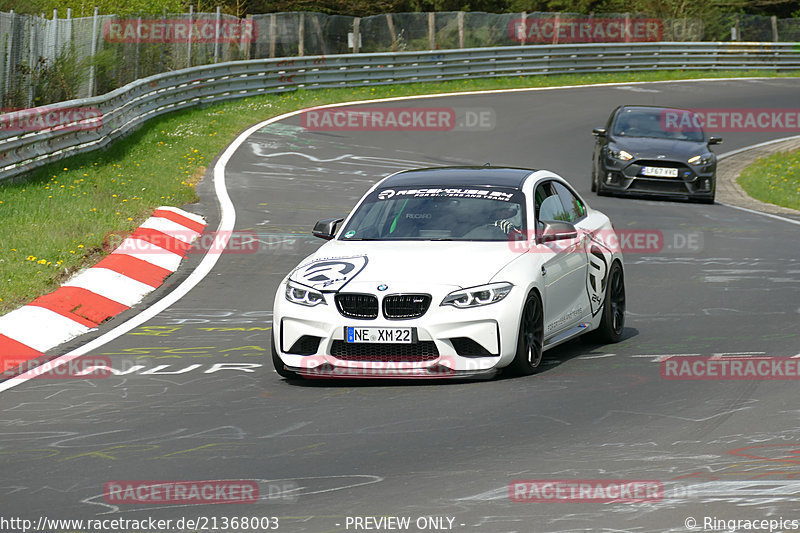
(476, 296)
(700, 160)
(622, 155)
(298, 294)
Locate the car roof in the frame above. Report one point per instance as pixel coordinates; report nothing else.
(649, 108)
(485, 176)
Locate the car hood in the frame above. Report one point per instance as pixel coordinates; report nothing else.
(457, 264)
(645, 147)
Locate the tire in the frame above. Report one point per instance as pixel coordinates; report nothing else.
(530, 339)
(280, 368)
(612, 321)
(601, 191)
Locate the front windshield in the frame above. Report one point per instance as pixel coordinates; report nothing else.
(434, 213)
(658, 124)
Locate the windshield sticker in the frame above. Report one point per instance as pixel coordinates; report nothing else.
(448, 193)
(329, 274)
(350, 234)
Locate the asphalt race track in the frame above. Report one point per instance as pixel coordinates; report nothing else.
(199, 400)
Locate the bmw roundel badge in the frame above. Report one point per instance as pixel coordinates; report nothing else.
(382, 287)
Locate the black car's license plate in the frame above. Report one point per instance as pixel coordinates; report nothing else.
(660, 172)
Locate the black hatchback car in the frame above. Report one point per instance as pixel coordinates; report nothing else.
(659, 151)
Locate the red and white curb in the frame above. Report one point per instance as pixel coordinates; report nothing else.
(122, 279)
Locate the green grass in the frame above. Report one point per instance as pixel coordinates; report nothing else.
(774, 179)
(65, 216)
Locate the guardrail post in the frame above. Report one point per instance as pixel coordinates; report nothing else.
(163, 47)
(356, 34)
(432, 30)
(627, 27)
(9, 50)
(191, 31)
(69, 25)
(272, 28)
(136, 55)
(55, 34)
(524, 25)
(301, 35)
(774, 20)
(320, 35)
(246, 43)
(95, 24)
(32, 60)
(216, 34)
(461, 29)
(556, 26)
(392, 34)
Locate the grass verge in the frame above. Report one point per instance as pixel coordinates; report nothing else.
(64, 216)
(774, 179)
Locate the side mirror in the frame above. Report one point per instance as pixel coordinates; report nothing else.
(599, 132)
(714, 140)
(326, 229)
(556, 230)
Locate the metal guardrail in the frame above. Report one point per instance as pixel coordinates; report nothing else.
(123, 110)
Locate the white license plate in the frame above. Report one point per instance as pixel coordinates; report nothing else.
(660, 172)
(388, 335)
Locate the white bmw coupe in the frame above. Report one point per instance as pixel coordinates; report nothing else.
(451, 272)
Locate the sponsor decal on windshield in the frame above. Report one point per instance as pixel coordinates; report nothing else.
(329, 274)
(448, 193)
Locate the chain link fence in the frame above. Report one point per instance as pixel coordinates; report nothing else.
(46, 60)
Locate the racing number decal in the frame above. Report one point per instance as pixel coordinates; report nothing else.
(598, 275)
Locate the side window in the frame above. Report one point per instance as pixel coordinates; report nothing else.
(572, 205)
(548, 204)
(610, 122)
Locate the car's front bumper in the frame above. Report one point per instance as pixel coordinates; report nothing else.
(311, 340)
(692, 182)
